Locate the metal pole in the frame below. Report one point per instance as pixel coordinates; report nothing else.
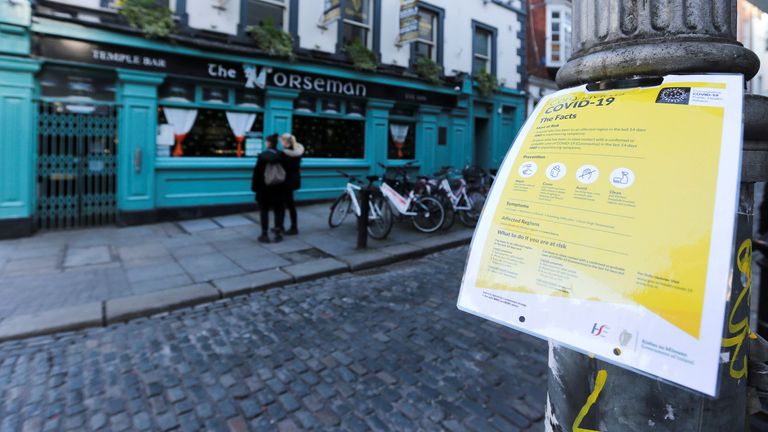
(629, 39)
(362, 221)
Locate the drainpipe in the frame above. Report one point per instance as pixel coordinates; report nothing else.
(615, 39)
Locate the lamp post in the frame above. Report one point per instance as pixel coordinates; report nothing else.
(624, 39)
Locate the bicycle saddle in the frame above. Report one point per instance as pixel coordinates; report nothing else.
(372, 178)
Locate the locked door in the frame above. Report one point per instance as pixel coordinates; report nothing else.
(76, 165)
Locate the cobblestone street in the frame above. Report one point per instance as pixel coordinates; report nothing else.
(381, 350)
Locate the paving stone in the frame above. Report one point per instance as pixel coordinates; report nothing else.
(62, 319)
(316, 269)
(251, 282)
(126, 308)
(198, 225)
(78, 257)
(233, 221)
(367, 259)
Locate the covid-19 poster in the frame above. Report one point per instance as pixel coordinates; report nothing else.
(610, 225)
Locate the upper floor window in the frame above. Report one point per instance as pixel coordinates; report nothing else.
(259, 12)
(356, 23)
(558, 35)
(426, 44)
(483, 49)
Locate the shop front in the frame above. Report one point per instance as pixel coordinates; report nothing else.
(130, 131)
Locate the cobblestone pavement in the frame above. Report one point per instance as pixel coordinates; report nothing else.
(382, 350)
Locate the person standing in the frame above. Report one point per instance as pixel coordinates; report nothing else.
(293, 153)
(269, 184)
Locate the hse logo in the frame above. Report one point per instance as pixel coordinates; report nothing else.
(599, 330)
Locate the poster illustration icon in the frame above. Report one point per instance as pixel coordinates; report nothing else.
(528, 169)
(622, 178)
(587, 174)
(556, 171)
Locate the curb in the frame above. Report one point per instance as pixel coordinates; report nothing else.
(117, 310)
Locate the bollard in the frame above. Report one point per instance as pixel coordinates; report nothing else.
(630, 39)
(362, 221)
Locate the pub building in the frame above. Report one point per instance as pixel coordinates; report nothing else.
(101, 125)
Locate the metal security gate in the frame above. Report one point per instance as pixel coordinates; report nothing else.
(76, 165)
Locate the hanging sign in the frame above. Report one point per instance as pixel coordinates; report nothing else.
(409, 20)
(610, 226)
(331, 11)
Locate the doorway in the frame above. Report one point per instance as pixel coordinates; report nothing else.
(482, 144)
(76, 165)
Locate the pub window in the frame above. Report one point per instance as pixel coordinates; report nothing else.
(483, 49)
(177, 92)
(80, 85)
(215, 95)
(329, 128)
(249, 99)
(442, 136)
(427, 43)
(259, 12)
(356, 25)
(558, 35)
(211, 133)
(402, 140)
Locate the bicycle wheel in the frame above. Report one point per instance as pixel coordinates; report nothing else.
(340, 209)
(450, 213)
(430, 214)
(380, 221)
(471, 216)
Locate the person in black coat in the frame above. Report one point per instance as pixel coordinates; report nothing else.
(293, 152)
(270, 196)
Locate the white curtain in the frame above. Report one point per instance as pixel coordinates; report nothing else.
(399, 132)
(240, 122)
(181, 119)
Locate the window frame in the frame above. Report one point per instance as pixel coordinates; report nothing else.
(199, 104)
(564, 50)
(493, 47)
(438, 35)
(290, 16)
(373, 27)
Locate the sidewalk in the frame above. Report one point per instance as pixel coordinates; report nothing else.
(66, 280)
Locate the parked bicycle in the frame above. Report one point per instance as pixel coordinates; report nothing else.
(379, 216)
(458, 197)
(413, 199)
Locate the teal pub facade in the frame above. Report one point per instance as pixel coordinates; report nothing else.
(101, 125)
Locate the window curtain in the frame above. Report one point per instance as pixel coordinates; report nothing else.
(181, 120)
(399, 134)
(240, 123)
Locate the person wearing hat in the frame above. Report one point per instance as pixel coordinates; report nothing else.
(293, 152)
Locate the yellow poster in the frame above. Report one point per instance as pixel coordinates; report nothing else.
(613, 214)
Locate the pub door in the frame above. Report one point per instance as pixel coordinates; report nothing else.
(76, 165)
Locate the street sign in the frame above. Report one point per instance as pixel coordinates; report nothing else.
(610, 226)
(409, 20)
(331, 11)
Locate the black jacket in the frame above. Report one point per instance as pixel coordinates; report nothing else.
(268, 194)
(292, 163)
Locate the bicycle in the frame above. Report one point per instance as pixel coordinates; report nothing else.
(413, 200)
(379, 215)
(467, 203)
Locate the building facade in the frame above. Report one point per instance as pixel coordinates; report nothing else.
(753, 33)
(549, 46)
(105, 118)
